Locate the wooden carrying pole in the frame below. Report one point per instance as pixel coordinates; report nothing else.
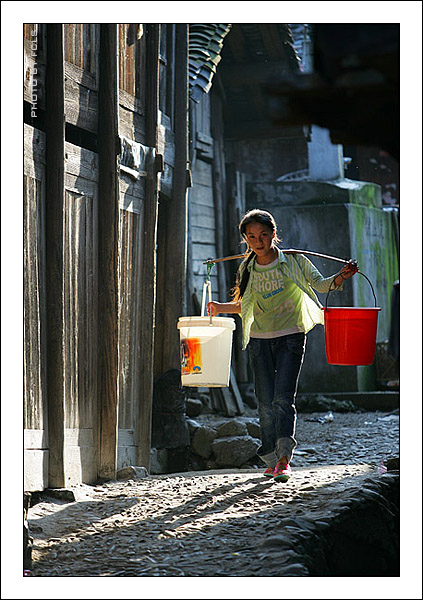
(288, 251)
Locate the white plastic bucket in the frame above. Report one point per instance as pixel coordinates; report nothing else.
(206, 351)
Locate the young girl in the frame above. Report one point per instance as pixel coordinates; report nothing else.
(274, 296)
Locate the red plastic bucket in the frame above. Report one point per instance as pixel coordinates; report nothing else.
(350, 334)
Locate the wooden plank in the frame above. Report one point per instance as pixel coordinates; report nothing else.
(203, 195)
(202, 173)
(80, 304)
(34, 152)
(202, 218)
(108, 252)
(55, 142)
(201, 211)
(233, 386)
(203, 252)
(128, 317)
(131, 193)
(81, 162)
(81, 105)
(229, 406)
(33, 383)
(132, 125)
(202, 235)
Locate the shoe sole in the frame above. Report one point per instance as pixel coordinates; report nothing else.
(269, 475)
(282, 478)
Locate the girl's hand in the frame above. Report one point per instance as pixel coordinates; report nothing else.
(346, 272)
(213, 308)
(349, 270)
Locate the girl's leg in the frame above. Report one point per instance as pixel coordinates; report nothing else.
(288, 353)
(263, 367)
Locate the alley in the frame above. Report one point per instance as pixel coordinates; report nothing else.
(234, 522)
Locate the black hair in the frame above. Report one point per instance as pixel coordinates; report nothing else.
(255, 215)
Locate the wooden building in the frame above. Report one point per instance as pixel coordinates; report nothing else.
(130, 185)
(141, 142)
(106, 116)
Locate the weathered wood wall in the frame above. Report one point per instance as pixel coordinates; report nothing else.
(103, 290)
(35, 398)
(104, 311)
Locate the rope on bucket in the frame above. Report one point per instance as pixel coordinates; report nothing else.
(333, 284)
(207, 286)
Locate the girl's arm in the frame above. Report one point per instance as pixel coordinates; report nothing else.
(320, 283)
(215, 308)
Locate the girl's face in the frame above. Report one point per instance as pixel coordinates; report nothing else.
(260, 238)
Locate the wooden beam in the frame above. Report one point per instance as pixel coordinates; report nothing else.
(55, 161)
(108, 220)
(148, 299)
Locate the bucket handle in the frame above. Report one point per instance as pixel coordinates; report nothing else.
(333, 281)
(206, 286)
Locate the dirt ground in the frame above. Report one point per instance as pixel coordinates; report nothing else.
(211, 523)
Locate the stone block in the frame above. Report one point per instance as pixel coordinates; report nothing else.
(253, 429)
(231, 428)
(132, 473)
(234, 451)
(158, 461)
(194, 407)
(202, 441)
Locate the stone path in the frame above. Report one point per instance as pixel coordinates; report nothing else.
(225, 523)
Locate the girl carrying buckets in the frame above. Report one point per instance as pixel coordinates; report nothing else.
(275, 298)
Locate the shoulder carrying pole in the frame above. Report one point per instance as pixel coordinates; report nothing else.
(288, 251)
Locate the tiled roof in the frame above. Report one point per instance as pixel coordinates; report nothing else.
(205, 45)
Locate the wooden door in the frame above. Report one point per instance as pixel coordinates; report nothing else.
(80, 314)
(130, 286)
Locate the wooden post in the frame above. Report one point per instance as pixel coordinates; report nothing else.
(177, 213)
(55, 161)
(108, 231)
(148, 300)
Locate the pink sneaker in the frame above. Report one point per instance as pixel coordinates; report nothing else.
(282, 472)
(269, 472)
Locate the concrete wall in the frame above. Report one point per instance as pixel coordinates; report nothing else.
(342, 218)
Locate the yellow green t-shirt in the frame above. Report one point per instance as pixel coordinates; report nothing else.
(277, 302)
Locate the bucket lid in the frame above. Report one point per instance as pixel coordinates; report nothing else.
(227, 322)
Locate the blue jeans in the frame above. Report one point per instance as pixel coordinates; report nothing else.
(276, 365)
